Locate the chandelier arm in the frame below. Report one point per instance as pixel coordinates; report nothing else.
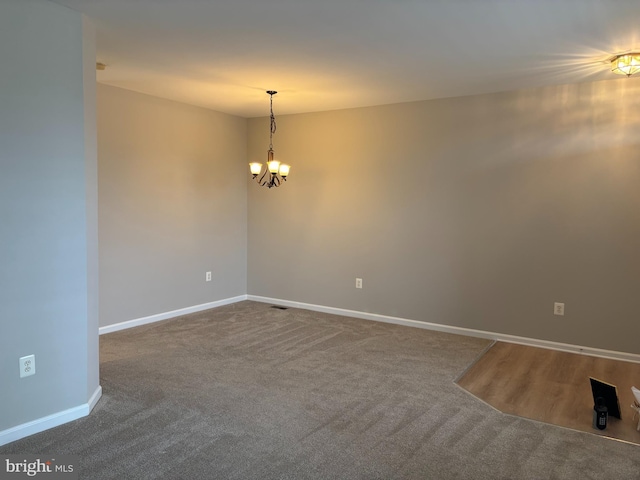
(268, 179)
(262, 180)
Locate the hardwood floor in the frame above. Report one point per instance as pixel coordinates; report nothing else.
(553, 387)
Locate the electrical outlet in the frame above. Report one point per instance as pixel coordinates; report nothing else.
(27, 366)
(558, 308)
(358, 283)
(208, 277)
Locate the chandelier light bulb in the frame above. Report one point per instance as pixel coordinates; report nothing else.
(284, 170)
(256, 168)
(274, 166)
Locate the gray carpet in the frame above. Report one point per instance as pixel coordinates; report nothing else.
(246, 391)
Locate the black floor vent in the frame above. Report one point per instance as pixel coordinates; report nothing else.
(279, 307)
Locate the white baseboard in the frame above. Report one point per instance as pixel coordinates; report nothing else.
(94, 398)
(534, 342)
(166, 315)
(50, 421)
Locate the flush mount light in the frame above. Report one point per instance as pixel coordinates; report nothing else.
(275, 173)
(626, 64)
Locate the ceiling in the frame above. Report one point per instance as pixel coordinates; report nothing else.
(328, 54)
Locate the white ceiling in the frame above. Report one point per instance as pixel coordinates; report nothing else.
(327, 54)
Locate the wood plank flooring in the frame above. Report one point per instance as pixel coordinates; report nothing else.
(553, 387)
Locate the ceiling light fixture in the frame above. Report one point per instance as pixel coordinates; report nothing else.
(275, 172)
(626, 64)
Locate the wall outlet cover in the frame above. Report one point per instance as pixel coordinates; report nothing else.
(27, 366)
(558, 308)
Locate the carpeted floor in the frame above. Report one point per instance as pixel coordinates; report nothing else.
(246, 391)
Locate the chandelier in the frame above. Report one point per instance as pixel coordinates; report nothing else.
(626, 64)
(275, 173)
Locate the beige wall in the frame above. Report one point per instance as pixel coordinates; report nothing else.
(172, 205)
(478, 212)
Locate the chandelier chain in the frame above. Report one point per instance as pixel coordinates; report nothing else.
(272, 128)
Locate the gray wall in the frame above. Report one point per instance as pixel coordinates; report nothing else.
(172, 205)
(91, 191)
(44, 213)
(477, 212)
